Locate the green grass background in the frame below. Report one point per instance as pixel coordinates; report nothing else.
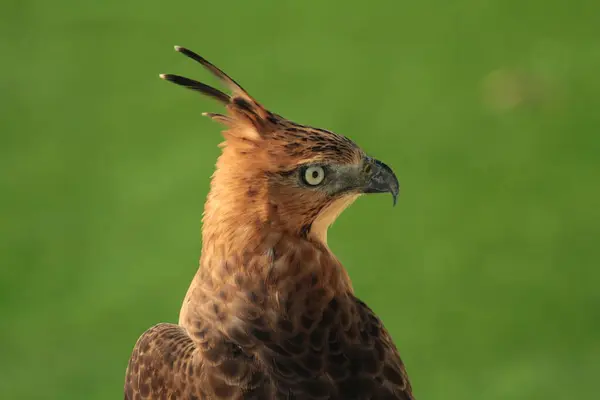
(486, 272)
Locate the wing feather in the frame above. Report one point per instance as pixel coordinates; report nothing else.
(344, 353)
(166, 363)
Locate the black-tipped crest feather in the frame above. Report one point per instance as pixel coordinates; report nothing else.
(224, 119)
(216, 71)
(198, 87)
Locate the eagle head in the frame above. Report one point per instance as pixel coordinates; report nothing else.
(277, 175)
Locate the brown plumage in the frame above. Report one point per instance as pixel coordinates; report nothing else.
(271, 312)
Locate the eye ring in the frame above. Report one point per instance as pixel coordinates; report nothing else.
(313, 175)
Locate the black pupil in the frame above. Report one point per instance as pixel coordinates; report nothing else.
(315, 174)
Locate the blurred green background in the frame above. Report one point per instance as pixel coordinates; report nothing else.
(486, 272)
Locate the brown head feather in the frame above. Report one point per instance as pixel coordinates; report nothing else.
(256, 181)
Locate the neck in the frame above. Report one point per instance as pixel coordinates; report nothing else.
(244, 219)
(247, 243)
(241, 222)
(244, 245)
(240, 213)
(235, 216)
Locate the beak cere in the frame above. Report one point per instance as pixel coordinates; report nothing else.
(381, 179)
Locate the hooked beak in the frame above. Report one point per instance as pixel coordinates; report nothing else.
(381, 179)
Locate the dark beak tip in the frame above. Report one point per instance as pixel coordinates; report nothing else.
(395, 191)
(383, 180)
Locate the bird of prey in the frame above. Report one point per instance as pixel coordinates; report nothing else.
(271, 313)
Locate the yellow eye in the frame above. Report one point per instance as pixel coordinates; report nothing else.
(314, 175)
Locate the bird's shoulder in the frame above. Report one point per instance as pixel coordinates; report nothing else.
(167, 363)
(340, 351)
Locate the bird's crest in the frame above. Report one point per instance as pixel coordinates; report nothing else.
(244, 111)
(252, 127)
